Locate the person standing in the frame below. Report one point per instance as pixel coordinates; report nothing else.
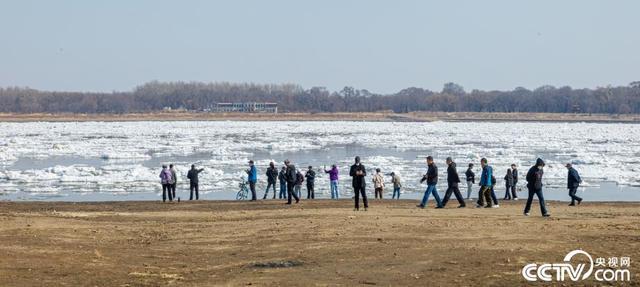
(471, 179)
(358, 173)
(333, 177)
(165, 180)
(534, 184)
(192, 175)
(485, 184)
(174, 180)
(395, 179)
(311, 176)
(573, 182)
(452, 180)
(378, 184)
(291, 178)
(283, 182)
(272, 177)
(508, 182)
(299, 181)
(252, 178)
(514, 174)
(432, 180)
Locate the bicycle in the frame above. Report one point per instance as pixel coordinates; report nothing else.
(243, 193)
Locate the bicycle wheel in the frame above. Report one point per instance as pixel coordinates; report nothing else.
(240, 195)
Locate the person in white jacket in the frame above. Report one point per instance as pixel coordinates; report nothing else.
(378, 184)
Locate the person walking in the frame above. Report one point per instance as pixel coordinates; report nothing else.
(333, 178)
(432, 180)
(395, 179)
(494, 198)
(514, 174)
(310, 176)
(252, 178)
(358, 173)
(165, 180)
(508, 182)
(378, 184)
(485, 184)
(192, 175)
(534, 184)
(282, 177)
(272, 177)
(573, 182)
(452, 180)
(174, 180)
(291, 178)
(471, 179)
(299, 181)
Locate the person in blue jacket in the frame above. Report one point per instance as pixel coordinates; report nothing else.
(252, 178)
(485, 185)
(573, 182)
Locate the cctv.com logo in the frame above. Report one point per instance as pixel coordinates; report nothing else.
(615, 269)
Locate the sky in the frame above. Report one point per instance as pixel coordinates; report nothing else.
(381, 46)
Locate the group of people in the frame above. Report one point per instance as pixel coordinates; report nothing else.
(291, 180)
(486, 195)
(169, 180)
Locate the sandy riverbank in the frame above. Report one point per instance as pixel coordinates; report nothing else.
(317, 243)
(378, 116)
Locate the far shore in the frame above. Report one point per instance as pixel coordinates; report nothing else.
(373, 116)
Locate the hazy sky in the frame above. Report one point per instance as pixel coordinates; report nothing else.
(383, 46)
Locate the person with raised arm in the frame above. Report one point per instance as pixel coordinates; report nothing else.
(333, 178)
(192, 175)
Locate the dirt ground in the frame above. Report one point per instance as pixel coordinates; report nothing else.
(314, 243)
(364, 116)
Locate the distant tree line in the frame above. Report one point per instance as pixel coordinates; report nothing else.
(155, 96)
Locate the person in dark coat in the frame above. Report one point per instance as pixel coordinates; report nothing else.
(432, 180)
(272, 177)
(471, 179)
(534, 184)
(573, 182)
(311, 176)
(357, 173)
(514, 174)
(493, 191)
(452, 180)
(290, 176)
(508, 182)
(283, 182)
(192, 175)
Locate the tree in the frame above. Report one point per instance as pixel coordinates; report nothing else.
(453, 89)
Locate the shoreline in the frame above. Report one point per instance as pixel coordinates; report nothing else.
(377, 116)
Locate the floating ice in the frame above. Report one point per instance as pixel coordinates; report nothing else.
(126, 156)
